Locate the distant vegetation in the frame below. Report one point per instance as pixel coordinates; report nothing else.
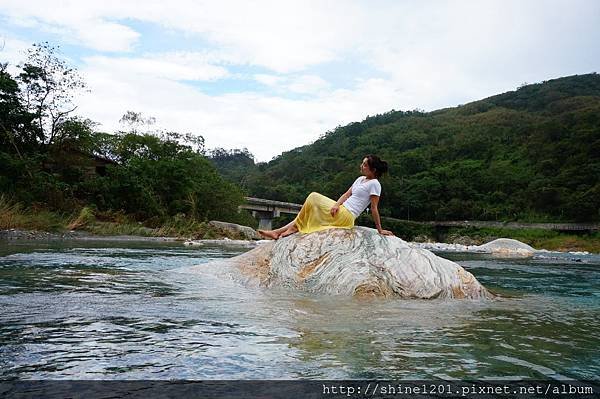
(53, 161)
(528, 155)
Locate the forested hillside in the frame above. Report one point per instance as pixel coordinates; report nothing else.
(532, 154)
(54, 161)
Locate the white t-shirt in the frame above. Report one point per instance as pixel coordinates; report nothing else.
(362, 190)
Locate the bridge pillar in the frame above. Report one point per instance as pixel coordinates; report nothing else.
(266, 210)
(265, 219)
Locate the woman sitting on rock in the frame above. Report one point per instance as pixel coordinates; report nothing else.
(319, 212)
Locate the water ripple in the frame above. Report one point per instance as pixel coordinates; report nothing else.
(136, 313)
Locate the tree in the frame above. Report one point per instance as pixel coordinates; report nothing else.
(235, 165)
(139, 135)
(16, 130)
(134, 121)
(18, 135)
(47, 88)
(76, 134)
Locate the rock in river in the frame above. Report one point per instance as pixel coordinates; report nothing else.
(356, 262)
(506, 247)
(244, 232)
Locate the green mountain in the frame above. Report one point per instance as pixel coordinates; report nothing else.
(532, 154)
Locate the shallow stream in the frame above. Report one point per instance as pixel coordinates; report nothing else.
(125, 310)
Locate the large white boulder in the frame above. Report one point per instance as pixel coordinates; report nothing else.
(507, 247)
(245, 232)
(356, 262)
(501, 247)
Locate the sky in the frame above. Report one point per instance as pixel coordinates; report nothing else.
(270, 76)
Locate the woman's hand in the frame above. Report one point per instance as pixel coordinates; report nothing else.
(334, 209)
(385, 232)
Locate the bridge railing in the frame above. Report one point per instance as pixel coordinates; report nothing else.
(262, 201)
(508, 225)
(266, 209)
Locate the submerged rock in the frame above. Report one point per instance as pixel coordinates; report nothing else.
(224, 242)
(357, 262)
(442, 246)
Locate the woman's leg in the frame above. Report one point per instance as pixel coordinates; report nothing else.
(275, 234)
(290, 230)
(286, 227)
(291, 227)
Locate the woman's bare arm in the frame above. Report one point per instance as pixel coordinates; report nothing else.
(340, 201)
(376, 218)
(344, 197)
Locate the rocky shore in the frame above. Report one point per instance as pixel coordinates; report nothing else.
(16, 234)
(516, 247)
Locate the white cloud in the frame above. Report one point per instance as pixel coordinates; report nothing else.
(82, 23)
(269, 80)
(12, 50)
(420, 54)
(173, 66)
(302, 84)
(308, 84)
(105, 36)
(444, 53)
(282, 36)
(266, 125)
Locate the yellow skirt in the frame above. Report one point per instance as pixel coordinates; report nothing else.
(315, 215)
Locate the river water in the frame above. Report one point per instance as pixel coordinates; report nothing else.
(124, 310)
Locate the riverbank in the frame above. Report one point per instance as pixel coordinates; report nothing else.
(39, 224)
(87, 224)
(34, 235)
(550, 240)
(537, 238)
(457, 240)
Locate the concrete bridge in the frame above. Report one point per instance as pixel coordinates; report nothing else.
(563, 227)
(265, 210)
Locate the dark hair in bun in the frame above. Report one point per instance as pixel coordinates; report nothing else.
(378, 166)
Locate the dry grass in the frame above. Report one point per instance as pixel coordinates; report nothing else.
(10, 214)
(14, 216)
(85, 218)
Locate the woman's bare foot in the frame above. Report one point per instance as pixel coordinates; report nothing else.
(289, 231)
(269, 234)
